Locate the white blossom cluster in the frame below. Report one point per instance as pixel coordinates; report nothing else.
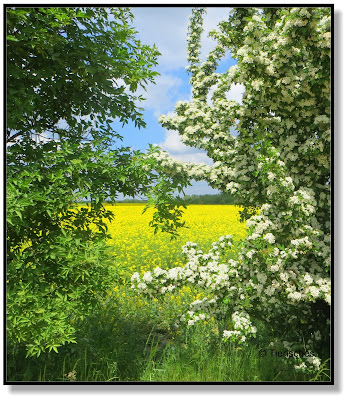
(279, 163)
(311, 363)
(201, 269)
(242, 326)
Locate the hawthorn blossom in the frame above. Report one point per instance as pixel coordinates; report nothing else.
(277, 164)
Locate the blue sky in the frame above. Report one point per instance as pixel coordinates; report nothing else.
(167, 28)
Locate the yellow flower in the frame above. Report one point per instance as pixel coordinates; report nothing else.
(137, 249)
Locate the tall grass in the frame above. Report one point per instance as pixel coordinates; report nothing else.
(114, 348)
(198, 359)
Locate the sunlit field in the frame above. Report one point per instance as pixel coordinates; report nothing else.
(137, 249)
(134, 338)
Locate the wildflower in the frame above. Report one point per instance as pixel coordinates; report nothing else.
(269, 237)
(314, 291)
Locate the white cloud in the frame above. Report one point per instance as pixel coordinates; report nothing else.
(166, 27)
(179, 151)
(173, 143)
(211, 20)
(192, 157)
(201, 187)
(162, 96)
(235, 93)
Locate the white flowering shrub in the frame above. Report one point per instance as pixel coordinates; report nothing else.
(278, 163)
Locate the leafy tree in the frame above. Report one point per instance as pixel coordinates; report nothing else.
(78, 66)
(70, 73)
(278, 165)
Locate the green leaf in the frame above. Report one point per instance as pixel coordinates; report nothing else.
(11, 38)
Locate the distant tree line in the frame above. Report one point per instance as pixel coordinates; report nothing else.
(220, 198)
(132, 201)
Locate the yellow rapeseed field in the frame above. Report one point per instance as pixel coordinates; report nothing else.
(139, 249)
(136, 248)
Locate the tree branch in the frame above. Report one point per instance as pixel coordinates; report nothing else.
(14, 136)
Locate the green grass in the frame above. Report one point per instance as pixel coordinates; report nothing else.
(113, 347)
(198, 357)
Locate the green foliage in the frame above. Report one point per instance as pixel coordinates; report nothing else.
(110, 348)
(73, 65)
(116, 347)
(57, 260)
(168, 208)
(200, 356)
(70, 73)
